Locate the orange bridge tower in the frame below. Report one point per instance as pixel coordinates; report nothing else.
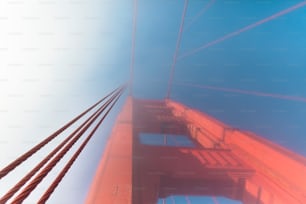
(163, 148)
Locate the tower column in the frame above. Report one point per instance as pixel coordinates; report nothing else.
(113, 179)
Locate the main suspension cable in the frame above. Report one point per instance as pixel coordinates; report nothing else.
(26, 178)
(61, 175)
(29, 153)
(44, 172)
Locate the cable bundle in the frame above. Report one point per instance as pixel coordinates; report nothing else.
(42, 169)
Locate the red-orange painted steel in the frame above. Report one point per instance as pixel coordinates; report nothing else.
(221, 162)
(113, 180)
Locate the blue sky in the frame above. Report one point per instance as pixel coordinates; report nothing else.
(268, 58)
(58, 57)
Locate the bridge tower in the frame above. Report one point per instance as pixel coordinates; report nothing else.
(163, 148)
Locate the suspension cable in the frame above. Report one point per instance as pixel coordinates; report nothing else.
(29, 153)
(26, 178)
(198, 15)
(132, 62)
(44, 172)
(61, 175)
(178, 43)
(243, 91)
(246, 28)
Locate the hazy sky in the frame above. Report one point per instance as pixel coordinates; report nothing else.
(57, 57)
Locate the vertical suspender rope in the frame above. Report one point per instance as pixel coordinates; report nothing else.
(26, 178)
(178, 43)
(44, 172)
(28, 154)
(61, 175)
(132, 63)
